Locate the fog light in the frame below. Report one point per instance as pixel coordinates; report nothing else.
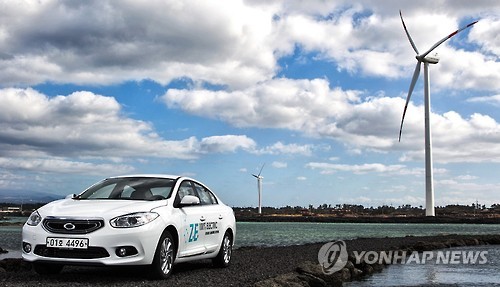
(126, 251)
(122, 251)
(26, 247)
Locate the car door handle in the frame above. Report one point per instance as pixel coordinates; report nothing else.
(202, 218)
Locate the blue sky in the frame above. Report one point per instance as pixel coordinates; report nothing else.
(215, 89)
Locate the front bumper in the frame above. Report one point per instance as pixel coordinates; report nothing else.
(103, 249)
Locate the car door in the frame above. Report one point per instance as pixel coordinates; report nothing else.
(191, 240)
(210, 227)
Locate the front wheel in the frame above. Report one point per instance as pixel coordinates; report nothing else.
(163, 261)
(226, 250)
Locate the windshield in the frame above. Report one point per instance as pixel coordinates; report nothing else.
(132, 188)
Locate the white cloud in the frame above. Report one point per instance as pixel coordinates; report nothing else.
(458, 139)
(329, 168)
(80, 124)
(278, 103)
(493, 100)
(224, 42)
(486, 33)
(87, 125)
(279, 164)
(62, 166)
(230, 43)
(466, 177)
(227, 143)
(281, 148)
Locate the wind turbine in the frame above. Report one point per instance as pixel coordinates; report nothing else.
(426, 60)
(259, 186)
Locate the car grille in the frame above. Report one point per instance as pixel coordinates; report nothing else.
(89, 253)
(72, 226)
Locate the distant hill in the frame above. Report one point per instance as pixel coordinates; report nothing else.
(25, 196)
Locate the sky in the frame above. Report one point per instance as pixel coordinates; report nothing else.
(214, 90)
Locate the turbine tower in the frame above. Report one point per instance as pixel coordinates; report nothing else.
(259, 186)
(426, 60)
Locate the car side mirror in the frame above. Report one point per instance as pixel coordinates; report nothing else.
(189, 200)
(70, 196)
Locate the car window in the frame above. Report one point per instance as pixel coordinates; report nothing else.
(127, 192)
(136, 188)
(206, 197)
(186, 189)
(103, 192)
(163, 191)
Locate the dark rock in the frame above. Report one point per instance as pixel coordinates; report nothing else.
(345, 274)
(377, 267)
(3, 251)
(310, 268)
(367, 270)
(356, 273)
(493, 240)
(428, 246)
(315, 269)
(349, 265)
(471, 241)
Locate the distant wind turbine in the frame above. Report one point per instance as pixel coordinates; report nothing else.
(259, 186)
(423, 58)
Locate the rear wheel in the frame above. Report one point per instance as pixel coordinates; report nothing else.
(47, 268)
(163, 262)
(226, 251)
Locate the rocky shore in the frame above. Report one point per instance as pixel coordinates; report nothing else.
(269, 266)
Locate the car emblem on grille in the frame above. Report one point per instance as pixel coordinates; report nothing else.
(69, 226)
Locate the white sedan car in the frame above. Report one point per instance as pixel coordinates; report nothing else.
(154, 220)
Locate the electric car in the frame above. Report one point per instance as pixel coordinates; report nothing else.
(152, 220)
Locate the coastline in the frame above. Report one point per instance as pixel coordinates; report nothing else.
(252, 266)
(368, 219)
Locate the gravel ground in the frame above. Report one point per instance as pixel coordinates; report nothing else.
(249, 266)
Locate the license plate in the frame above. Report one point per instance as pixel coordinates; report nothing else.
(73, 243)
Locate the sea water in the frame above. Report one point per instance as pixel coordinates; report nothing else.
(294, 233)
(432, 273)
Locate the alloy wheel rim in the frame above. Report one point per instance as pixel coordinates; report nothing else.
(227, 249)
(166, 256)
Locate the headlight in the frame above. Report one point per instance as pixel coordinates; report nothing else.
(133, 219)
(34, 219)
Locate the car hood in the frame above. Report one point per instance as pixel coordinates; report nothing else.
(106, 209)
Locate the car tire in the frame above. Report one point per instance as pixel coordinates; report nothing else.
(163, 261)
(47, 268)
(223, 258)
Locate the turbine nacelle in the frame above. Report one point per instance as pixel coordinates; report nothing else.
(431, 59)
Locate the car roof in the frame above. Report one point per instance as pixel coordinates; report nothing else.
(169, 176)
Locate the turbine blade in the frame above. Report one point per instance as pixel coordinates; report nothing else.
(408, 34)
(261, 168)
(414, 79)
(256, 176)
(446, 38)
